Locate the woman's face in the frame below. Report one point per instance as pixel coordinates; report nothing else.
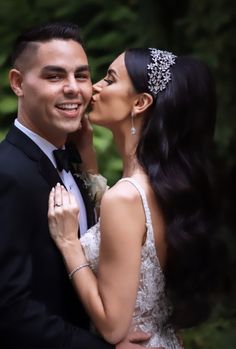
(113, 96)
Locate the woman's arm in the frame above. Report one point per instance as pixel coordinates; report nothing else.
(82, 140)
(110, 298)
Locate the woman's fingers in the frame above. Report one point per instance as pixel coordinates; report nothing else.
(58, 200)
(73, 202)
(51, 202)
(86, 124)
(65, 196)
(63, 216)
(61, 200)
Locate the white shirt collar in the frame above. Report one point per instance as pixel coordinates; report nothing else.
(66, 177)
(42, 143)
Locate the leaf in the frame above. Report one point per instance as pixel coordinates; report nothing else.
(8, 105)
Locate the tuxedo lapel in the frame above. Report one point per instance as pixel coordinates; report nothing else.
(49, 172)
(23, 142)
(75, 162)
(87, 201)
(46, 168)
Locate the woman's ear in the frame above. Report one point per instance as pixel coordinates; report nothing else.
(15, 78)
(142, 103)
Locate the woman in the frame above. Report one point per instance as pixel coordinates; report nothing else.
(147, 263)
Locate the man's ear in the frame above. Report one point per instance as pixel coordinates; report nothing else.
(15, 78)
(142, 103)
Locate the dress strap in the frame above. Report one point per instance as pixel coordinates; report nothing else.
(144, 202)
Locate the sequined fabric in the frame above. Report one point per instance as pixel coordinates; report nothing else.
(152, 308)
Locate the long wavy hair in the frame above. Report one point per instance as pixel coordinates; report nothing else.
(175, 151)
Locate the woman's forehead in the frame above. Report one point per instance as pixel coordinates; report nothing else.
(118, 65)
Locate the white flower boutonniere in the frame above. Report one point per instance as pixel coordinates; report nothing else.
(95, 184)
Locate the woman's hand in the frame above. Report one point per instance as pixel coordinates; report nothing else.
(63, 217)
(83, 142)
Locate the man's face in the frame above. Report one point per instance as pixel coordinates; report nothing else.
(55, 89)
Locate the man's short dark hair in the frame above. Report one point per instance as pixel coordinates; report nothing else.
(44, 33)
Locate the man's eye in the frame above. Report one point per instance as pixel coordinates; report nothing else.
(82, 76)
(108, 81)
(54, 77)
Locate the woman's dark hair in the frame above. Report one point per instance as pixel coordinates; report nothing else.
(174, 150)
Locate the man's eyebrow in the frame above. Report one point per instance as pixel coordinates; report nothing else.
(84, 67)
(53, 68)
(57, 69)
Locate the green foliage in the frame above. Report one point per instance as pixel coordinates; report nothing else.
(204, 28)
(110, 163)
(8, 104)
(218, 333)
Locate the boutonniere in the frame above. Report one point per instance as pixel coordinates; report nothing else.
(95, 184)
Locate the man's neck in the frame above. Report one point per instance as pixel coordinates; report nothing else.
(33, 134)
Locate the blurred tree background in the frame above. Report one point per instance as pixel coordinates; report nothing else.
(203, 28)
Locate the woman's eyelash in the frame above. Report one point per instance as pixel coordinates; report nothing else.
(108, 81)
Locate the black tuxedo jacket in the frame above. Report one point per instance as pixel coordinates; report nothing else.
(38, 306)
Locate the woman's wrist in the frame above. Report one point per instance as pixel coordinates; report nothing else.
(69, 246)
(89, 160)
(73, 255)
(77, 269)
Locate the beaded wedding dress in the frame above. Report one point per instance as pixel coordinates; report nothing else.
(152, 309)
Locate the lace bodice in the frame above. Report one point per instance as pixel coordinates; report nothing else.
(152, 308)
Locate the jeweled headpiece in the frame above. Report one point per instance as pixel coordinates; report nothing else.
(158, 70)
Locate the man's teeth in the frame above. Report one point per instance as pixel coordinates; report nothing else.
(68, 106)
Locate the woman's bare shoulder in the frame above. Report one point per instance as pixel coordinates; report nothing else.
(122, 203)
(122, 192)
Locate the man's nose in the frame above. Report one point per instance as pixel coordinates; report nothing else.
(71, 86)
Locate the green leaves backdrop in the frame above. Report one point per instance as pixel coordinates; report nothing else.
(204, 28)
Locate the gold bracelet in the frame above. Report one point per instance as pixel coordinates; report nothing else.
(77, 269)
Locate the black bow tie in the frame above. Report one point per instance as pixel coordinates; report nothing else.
(65, 157)
(62, 159)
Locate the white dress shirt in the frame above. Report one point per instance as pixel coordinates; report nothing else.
(66, 177)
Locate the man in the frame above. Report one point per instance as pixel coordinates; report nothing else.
(38, 307)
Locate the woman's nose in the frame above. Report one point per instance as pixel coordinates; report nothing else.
(98, 86)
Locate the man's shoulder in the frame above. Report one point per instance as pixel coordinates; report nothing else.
(13, 160)
(5, 148)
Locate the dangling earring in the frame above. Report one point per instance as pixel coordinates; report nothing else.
(133, 129)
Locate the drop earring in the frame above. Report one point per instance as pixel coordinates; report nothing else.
(133, 129)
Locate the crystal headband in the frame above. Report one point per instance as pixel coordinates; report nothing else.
(158, 70)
